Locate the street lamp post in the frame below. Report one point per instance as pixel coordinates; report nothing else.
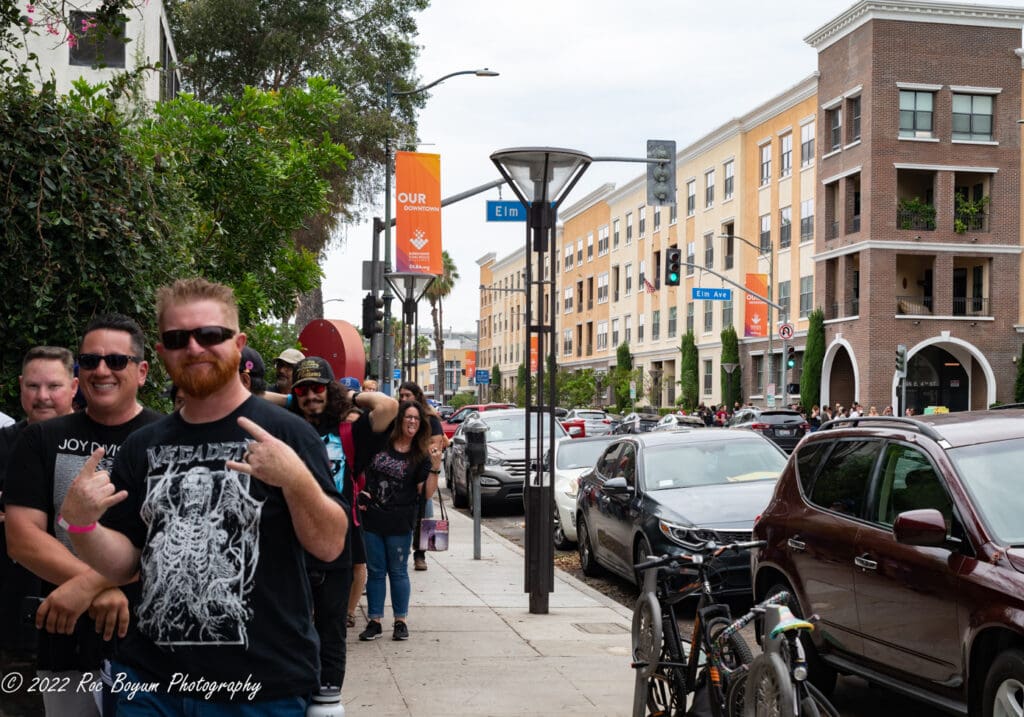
(770, 254)
(541, 178)
(387, 356)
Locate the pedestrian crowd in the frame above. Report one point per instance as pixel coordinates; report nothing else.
(209, 561)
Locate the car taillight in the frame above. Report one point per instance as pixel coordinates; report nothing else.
(760, 426)
(607, 420)
(806, 426)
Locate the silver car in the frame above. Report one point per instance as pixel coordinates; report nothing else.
(573, 458)
(596, 423)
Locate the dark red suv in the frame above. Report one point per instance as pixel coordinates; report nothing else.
(906, 536)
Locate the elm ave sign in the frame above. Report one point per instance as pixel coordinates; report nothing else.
(699, 293)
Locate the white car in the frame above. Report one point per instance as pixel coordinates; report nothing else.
(573, 458)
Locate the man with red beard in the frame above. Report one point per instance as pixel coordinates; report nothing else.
(214, 505)
(46, 457)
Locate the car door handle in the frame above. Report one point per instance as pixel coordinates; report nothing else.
(864, 563)
(796, 544)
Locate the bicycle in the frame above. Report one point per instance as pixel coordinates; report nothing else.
(666, 673)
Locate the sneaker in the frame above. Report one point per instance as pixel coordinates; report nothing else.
(420, 563)
(401, 631)
(372, 632)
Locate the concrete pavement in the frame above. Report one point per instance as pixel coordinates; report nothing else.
(475, 649)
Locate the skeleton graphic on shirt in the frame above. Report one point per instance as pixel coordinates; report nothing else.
(200, 556)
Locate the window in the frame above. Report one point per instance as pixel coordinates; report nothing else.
(616, 283)
(673, 210)
(807, 220)
(916, 113)
(579, 252)
(602, 288)
(655, 325)
(806, 295)
(641, 213)
(673, 313)
(766, 233)
(726, 313)
(590, 246)
(709, 316)
(567, 342)
(807, 144)
(842, 482)
(96, 45)
(629, 228)
(709, 189)
(629, 329)
(854, 113)
(691, 254)
(972, 117)
(640, 328)
(629, 279)
(567, 300)
(786, 155)
(691, 197)
(785, 226)
(657, 218)
(709, 251)
(568, 257)
(602, 241)
(615, 234)
(783, 299)
(602, 335)
(615, 332)
(707, 377)
(689, 317)
(908, 482)
(643, 273)
(766, 163)
(835, 123)
(728, 171)
(757, 364)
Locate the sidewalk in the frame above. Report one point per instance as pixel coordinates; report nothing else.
(475, 649)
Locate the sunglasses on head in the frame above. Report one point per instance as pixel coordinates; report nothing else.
(115, 362)
(205, 336)
(305, 388)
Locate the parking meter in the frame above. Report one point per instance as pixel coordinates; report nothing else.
(475, 431)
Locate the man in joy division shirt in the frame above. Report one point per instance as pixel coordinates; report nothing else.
(214, 505)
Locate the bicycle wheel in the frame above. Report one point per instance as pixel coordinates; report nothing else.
(666, 689)
(820, 702)
(736, 651)
(735, 696)
(769, 692)
(647, 633)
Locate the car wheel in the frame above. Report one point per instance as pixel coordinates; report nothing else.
(641, 552)
(588, 564)
(819, 673)
(561, 542)
(459, 500)
(1004, 685)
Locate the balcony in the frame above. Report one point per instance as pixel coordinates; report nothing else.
(833, 230)
(914, 305)
(846, 309)
(971, 306)
(916, 215)
(964, 222)
(854, 224)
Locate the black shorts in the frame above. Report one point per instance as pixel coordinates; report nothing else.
(358, 545)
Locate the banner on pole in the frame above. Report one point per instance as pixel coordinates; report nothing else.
(418, 213)
(533, 354)
(469, 363)
(756, 322)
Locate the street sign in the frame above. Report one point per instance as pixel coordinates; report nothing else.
(505, 211)
(398, 374)
(483, 376)
(786, 332)
(699, 293)
(632, 390)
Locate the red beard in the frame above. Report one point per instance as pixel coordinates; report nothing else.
(213, 375)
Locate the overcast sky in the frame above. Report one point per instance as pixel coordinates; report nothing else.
(600, 76)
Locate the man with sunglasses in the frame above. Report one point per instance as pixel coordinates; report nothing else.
(45, 459)
(323, 402)
(216, 505)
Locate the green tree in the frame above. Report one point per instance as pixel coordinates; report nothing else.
(462, 398)
(496, 393)
(439, 290)
(622, 375)
(1018, 386)
(576, 388)
(732, 384)
(814, 356)
(689, 379)
(524, 382)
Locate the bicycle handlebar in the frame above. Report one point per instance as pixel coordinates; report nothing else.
(710, 548)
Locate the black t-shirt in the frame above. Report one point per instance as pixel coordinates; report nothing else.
(15, 581)
(224, 587)
(367, 444)
(46, 458)
(436, 429)
(390, 496)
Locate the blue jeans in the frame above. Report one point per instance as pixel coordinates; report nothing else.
(387, 556)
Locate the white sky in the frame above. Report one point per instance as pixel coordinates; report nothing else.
(600, 76)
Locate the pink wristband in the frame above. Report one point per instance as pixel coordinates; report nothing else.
(74, 528)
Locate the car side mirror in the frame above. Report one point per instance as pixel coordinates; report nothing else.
(460, 439)
(925, 527)
(617, 486)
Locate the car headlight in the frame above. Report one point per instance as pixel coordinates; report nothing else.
(495, 461)
(687, 536)
(488, 481)
(572, 487)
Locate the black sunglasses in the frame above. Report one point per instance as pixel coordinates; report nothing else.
(205, 336)
(115, 362)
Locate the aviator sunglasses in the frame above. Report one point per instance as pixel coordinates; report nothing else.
(305, 388)
(205, 336)
(115, 362)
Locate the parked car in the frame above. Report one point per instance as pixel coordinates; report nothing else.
(503, 475)
(782, 425)
(452, 422)
(667, 492)
(572, 459)
(636, 423)
(672, 421)
(445, 412)
(905, 536)
(595, 422)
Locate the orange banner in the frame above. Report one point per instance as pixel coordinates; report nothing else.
(418, 213)
(469, 364)
(756, 322)
(533, 354)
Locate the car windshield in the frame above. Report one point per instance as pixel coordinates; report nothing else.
(590, 415)
(513, 428)
(579, 454)
(687, 465)
(987, 474)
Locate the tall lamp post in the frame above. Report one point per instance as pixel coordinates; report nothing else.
(770, 255)
(541, 178)
(387, 357)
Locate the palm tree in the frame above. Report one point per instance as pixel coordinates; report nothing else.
(438, 290)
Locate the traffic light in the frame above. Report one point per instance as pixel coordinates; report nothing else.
(373, 314)
(673, 269)
(901, 360)
(791, 357)
(661, 176)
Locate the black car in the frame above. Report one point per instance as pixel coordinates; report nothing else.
(784, 426)
(666, 492)
(637, 423)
